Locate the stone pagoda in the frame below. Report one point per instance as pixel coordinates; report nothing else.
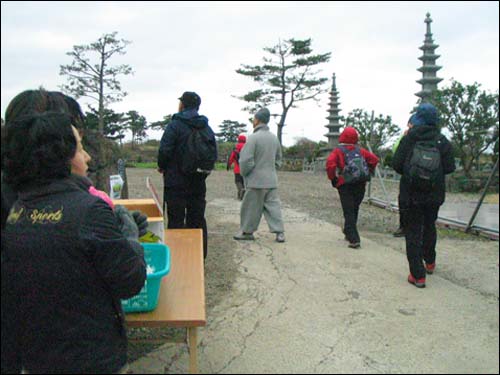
(429, 68)
(334, 119)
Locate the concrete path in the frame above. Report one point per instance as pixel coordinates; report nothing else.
(312, 305)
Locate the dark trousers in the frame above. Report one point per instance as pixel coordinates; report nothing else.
(11, 349)
(187, 210)
(351, 196)
(421, 237)
(240, 185)
(403, 212)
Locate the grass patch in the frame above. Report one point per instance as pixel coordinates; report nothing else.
(491, 198)
(153, 165)
(458, 234)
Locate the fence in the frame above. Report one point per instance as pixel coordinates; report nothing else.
(476, 210)
(471, 203)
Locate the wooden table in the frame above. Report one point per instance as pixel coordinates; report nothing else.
(182, 292)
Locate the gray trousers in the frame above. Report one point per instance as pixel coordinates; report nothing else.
(257, 202)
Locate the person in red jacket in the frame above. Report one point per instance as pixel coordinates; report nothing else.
(349, 167)
(234, 159)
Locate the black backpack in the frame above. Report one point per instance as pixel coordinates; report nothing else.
(356, 168)
(199, 153)
(425, 169)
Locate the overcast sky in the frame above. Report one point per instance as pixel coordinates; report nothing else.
(197, 46)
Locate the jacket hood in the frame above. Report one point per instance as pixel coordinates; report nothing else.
(192, 118)
(423, 133)
(242, 138)
(349, 136)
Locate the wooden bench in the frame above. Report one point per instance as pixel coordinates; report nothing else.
(182, 292)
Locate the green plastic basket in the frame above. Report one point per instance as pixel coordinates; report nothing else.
(157, 258)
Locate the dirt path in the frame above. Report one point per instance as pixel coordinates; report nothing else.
(311, 305)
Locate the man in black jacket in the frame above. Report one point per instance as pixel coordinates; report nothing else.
(184, 194)
(423, 207)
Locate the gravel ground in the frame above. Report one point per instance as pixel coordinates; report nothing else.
(309, 193)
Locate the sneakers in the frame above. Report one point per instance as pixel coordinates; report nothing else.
(419, 283)
(354, 245)
(429, 267)
(240, 236)
(399, 233)
(280, 237)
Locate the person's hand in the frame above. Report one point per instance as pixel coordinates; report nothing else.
(160, 170)
(128, 225)
(334, 181)
(142, 222)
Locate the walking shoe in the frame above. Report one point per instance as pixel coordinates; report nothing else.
(240, 236)
(280, 237)
(354, 245)
(419, 283)
(399, 233)
(429, 267)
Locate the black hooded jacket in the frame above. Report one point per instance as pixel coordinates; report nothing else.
(68, 265)
(170, 153)
(401, 164)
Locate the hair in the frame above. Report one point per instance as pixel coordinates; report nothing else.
(38, 149)
(39, 101)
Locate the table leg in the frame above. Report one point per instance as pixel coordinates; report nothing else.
(193, 350)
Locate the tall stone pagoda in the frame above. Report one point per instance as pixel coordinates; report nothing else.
(429, 68)
(334, 118)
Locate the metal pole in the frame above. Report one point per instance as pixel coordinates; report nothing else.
(482, 197)
(377, 171)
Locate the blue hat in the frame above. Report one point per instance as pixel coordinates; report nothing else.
(426, 114)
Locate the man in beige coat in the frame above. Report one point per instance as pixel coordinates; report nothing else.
(258, 162)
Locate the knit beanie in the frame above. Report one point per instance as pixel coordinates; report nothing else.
(426, 114)
(263, 115)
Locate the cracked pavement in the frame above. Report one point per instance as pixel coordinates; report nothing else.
(312, 305)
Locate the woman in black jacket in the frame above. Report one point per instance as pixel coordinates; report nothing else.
(66, 256)
(423, 204)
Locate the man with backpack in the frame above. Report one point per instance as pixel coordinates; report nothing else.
(423, 158)
(187, 154)
(234, 158)
(349, 167)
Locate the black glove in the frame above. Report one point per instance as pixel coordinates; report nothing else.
(334, 182)
(127, 223)
(142, 222)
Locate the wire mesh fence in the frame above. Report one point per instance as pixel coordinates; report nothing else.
(472, 204)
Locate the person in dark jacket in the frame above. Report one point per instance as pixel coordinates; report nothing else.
(351, 194)
(423, 206)
(25, 103)
(184, 194)
(66, 256)
(36, 101)
(234, 159)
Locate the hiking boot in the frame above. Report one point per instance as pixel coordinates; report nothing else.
(240, 236)
(280, 237)
(429, 267)
(399, 233)
(354, 245)
(419, 283)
